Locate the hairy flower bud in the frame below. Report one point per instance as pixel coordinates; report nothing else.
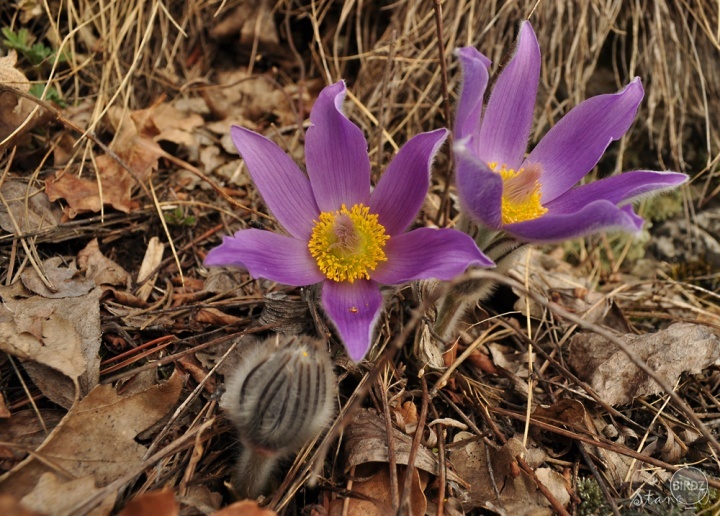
(280, 397)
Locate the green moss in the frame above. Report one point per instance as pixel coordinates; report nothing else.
(593, 501)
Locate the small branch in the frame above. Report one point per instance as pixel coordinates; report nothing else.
(444, 203)
(405, 498)
(557, 506)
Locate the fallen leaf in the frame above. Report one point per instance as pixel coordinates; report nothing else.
(682, 347)
(567, 411)
(518, 492)
(244, 508)
(58, 340)
(241, 97)
(97, 437)
(15, 109)
(135, 143)
(148, 269)
(10, 506)
(254, 21)
(201, 499)
(216, 317)
(154, 503)
(24, 428)
(175, 125)
(98, 268)
(426, 348)
(407, 417)
(83, 195)
(366, 441)
(568, 288)
(53, 496)
(29, 206)
(377, 488)
(68, 281)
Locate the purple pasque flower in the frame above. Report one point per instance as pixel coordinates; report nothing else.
(534, 197)
(339, 233)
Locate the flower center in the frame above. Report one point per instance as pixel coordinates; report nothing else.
(348, 243)
(521, 193)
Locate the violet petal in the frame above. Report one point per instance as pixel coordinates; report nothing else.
(575, 144)
(268, 255)
(354, 309)
(336, 154)
(401, 191)
(480, 189)
(508, 116)
(594, 217)
(468, 113)
(283, 186)
(620, 189)
(426, 253)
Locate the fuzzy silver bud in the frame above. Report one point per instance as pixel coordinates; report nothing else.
(280, 396)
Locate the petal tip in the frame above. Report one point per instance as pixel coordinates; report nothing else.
(471, 53)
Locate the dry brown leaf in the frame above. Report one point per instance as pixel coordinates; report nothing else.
(15, 109)
(154, 503)
(682, 347)
(426, 348)
(83, 195)
(10, 506)
(570, 412)
(510, 359)
(29, 9)
(244, 508)
(246, 97)
(34, 215)
(135, 143)
(98, 268)
(377, 487)
(67, 281)
(97, 437)
(253, 20)
(4, 411)
(58, 340)
(518, 493)
(24, 428)
(53, 496)
(215, 316)
(366, 441)
(407, 417)
(151, 261)
(201, 498)
(175, 125)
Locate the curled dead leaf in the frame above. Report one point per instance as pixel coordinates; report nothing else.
(58, 341)
(15, 109)
(98, 268)
(153, 503)
(68, 281)
(52, 495)
(682, 347)
(518, 492)
(96, 438)
(373, 492)
(29, 207)
(366, 441)
(244, 508)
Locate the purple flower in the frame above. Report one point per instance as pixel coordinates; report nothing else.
(534, 197)
(339, 233)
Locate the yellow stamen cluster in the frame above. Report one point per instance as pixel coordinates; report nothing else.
(521, 198)
(348, 243)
